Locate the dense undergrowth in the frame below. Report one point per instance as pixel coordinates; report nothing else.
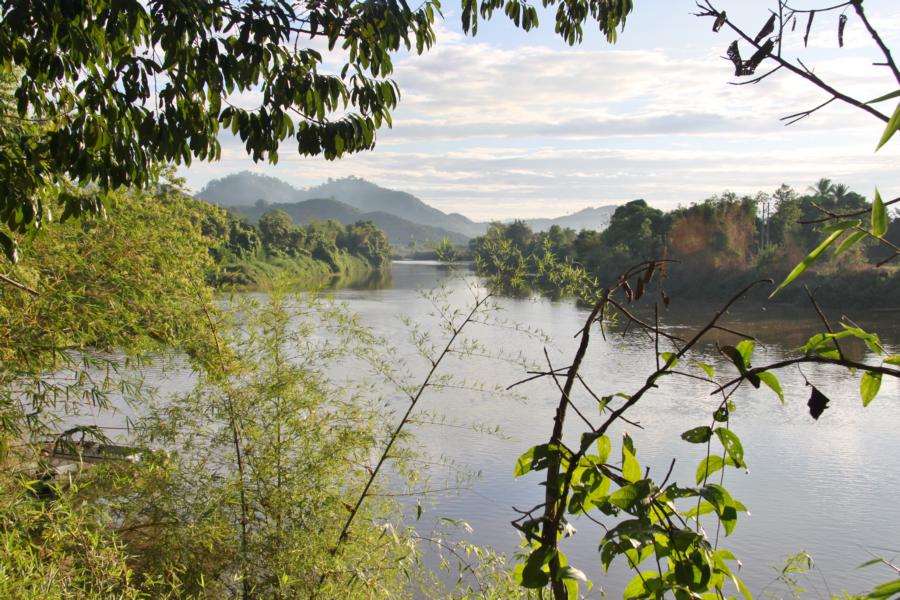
(234, 480)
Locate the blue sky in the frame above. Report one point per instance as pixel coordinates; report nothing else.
(513, 124)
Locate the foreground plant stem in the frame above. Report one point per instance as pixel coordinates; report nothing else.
(395, 434)
(239, 459)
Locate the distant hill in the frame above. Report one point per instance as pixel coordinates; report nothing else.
(245, 188)
(401, 215)
(589, 218)
(399, 231)
(370, 197)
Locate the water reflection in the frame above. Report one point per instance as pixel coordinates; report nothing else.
(825, 486)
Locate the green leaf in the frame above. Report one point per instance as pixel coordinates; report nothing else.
(604, 447)
(570, 572)
(697, 435)
(732, 445)
(879, 215)
(669, 358)
(745, 348)
(725, 506)
(533, 458)
(643, 585)
(849, 241)
(891, 128)
(888, 96)
(625, 497)
(841, 225)
(893, 360)
(869, 386)
(710, 372)
(770, 380)
(708, 466)
(534, 572)
(806, 262)
(631, 469)
(885, 590)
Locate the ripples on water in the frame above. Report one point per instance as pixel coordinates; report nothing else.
(826, 486)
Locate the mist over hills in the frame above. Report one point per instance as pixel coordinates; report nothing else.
(401, 215)
(586, 218)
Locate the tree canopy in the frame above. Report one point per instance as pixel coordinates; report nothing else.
(103, 90)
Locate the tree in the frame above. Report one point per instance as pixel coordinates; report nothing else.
(106, 90)
(277, 231)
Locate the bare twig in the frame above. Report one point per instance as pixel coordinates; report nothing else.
(18, 285)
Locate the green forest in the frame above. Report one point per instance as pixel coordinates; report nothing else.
(252, 256)
(717, 245)
(164, 434)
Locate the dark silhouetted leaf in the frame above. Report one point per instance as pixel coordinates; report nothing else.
(768, 28)
(812, 15)
(842, 23)
(697, 435)
(720, 21)
(759, 56)
(817, 404)
(734, 55)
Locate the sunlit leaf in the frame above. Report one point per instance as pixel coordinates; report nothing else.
(631, 469)
(879, 217)
(869, 386)
(849, 241)
(890, 129)
(732, 445)
(806, 262)
(710, 372)
(772, 381)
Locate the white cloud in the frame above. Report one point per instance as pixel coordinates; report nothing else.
(495, 130)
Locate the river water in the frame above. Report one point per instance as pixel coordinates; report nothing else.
(829, 487)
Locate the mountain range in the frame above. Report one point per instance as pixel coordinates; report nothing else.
(401, 215)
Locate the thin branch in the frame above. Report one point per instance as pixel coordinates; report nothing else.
(835, 216)
(710, 10)
(18, 285)
(824, 320)
(889, 60)
(821, 360)
(396, 433)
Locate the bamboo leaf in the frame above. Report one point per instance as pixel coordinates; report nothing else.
(810, 259)
(879, 217)
(891, 128)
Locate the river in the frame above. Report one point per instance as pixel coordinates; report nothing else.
(828, 487)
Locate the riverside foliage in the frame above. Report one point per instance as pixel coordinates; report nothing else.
(717, 245)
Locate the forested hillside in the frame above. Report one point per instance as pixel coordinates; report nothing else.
(405, 218)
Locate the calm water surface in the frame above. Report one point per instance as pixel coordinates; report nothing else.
(829, 487)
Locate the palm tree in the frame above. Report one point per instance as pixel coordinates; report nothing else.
(824, 189)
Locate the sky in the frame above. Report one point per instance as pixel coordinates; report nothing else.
(511, 124)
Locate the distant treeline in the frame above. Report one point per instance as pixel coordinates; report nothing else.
(249, 255)
(719, 244)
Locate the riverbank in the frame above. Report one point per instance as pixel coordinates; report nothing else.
(303, 272)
